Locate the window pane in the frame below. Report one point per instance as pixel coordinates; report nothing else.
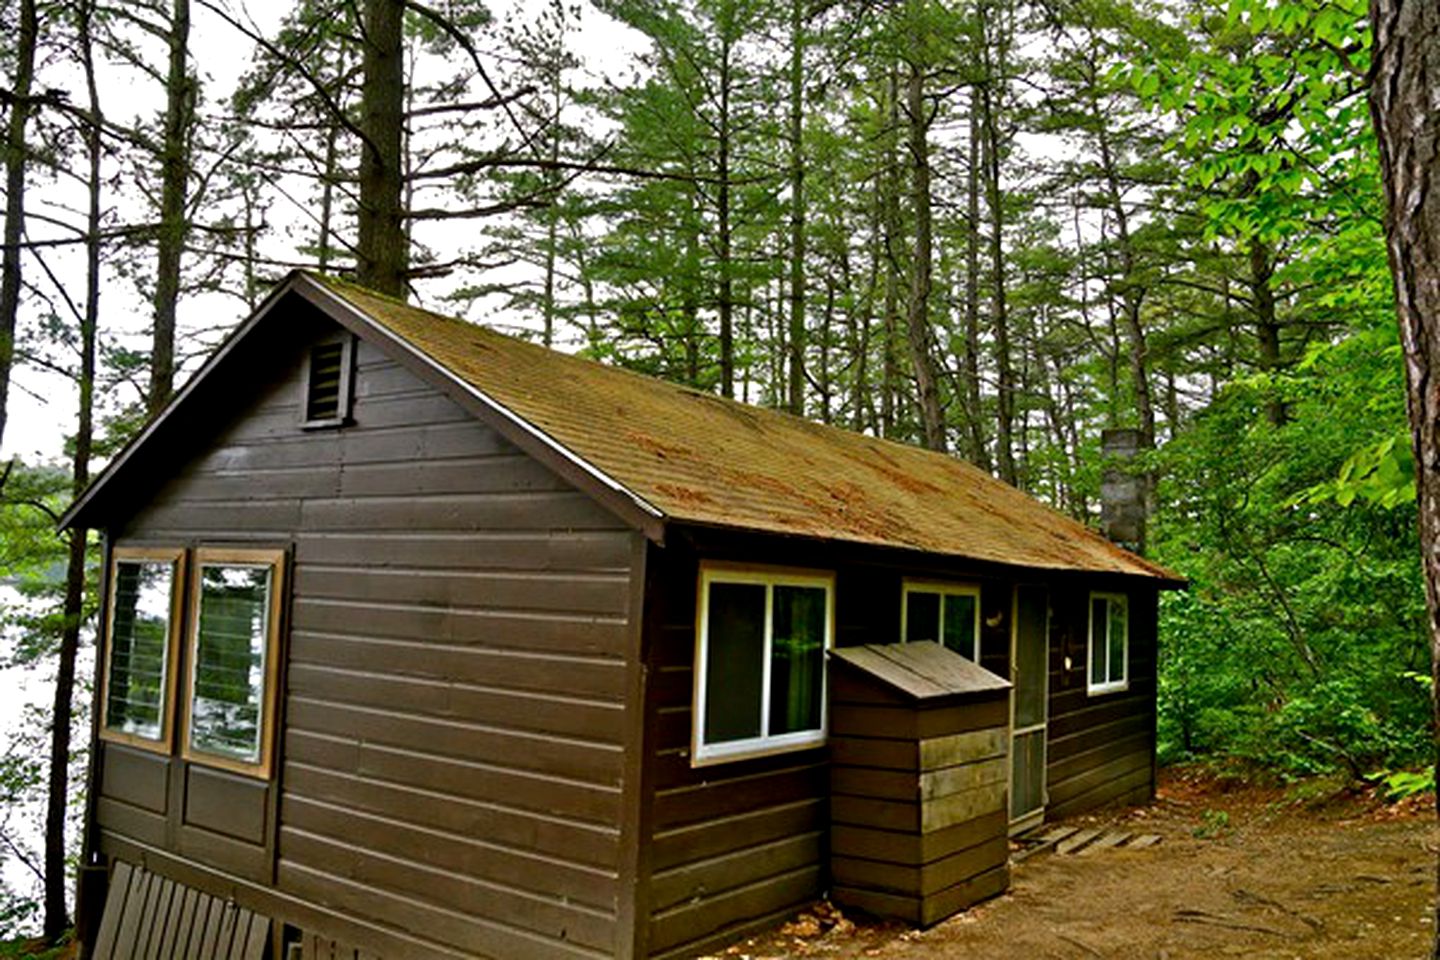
(140, 647)
(960, 624)
(734, 662)
(1098, 621)
(229, 689)
(922, 616)
(1117, 640)
(797, 659)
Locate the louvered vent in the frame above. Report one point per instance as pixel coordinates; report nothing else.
(323, 394)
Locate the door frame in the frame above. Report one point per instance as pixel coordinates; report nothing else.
(1036, 816)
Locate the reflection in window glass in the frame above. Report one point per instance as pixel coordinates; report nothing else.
(944, 614)
(228, 692)
(797, 659)
(735, 661)
(1109, 642)
(959, 622)
(922, 616)
(140, 648)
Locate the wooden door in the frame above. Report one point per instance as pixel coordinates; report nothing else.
(1029, 672)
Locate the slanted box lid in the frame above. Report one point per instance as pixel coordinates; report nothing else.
(923, 670)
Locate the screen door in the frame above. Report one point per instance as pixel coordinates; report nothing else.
(1029, 672)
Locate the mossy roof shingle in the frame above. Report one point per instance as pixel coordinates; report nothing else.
(701, 459)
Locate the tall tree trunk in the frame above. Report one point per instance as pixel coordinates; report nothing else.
(174, 222)
(1267, 325)
(797, 209)
(917, 318)
(327, 195)
(979, 453)
(727, 296)
(1000, 312)
(57, 918)
(1406, 74)
(384, 255)
(888, 183)
(16, 157)
(552, 195)
(690, 299)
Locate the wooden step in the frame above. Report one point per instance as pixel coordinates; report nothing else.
(1078, 840)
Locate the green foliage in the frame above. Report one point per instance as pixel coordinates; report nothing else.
(1402, 784)
(1304, 625)
(1213, 823)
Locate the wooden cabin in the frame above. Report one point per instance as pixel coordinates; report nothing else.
(420, 641)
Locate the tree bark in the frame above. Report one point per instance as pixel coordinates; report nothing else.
(174, 223)
(724, 238)
(1000, 310)
(888, 184)
(16, 156)
(57, 918)
(979, 453)
(917, 318)
(1406, 74)
(1267, 324)
(552, 204)
(327, 196)
(796, 390)
(383, 252)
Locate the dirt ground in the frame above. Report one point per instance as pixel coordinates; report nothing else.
(1242, 871)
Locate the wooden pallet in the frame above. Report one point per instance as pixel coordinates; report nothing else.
(150, 917)
(1068, 841)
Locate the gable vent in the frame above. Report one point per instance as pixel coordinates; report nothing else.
(326, 386)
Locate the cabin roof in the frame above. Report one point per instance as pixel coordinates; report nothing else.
(683, 455)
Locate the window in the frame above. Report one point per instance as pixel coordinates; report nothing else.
(760, 661)
(1109, 643)
(947, 613)
(144, 620)
(327, 383)
(234, 626)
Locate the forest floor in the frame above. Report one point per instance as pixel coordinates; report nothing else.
(1242, 871)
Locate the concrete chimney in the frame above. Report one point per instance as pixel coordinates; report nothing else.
(1122, 489)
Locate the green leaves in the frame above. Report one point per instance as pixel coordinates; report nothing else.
(1382, 474)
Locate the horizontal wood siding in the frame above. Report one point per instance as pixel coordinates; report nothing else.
(741, 844)
(456, 675)
(735, 845)
(1101, 748)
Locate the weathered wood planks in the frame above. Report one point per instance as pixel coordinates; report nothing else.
(918, 802)
(150, 917)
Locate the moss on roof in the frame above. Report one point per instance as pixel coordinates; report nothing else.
(702, 459)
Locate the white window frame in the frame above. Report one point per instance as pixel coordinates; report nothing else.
(1110, 685)
(703, 753)
(944, 588)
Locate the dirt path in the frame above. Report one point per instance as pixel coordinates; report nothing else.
(1243, 873)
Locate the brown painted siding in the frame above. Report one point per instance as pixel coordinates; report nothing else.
(735, 844)
(460, 622)
(1100, 749)
(740, 845)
